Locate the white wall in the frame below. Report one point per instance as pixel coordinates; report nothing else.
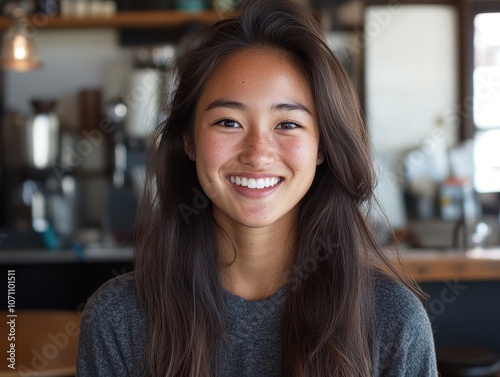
(411, 93)
(72, 60)
(411, 74)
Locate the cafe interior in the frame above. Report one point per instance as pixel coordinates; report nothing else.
(83, 82)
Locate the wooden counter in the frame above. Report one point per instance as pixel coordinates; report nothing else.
(426, 264)
(39, 343)
(436, 265)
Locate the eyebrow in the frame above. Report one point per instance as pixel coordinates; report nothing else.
(226, 104)
(291, 106)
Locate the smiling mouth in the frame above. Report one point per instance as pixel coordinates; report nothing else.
(252, 183)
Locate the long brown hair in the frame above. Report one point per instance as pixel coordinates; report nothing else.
(327, 319)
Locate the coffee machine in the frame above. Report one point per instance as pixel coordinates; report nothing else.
(36, 199)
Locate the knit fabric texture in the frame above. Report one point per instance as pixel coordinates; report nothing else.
(113, 334)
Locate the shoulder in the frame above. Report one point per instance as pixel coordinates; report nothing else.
(395, 302)
(115, 298)
(404, 339)
(112, 337)
(397, 309)
(120, 289)
(114, 310)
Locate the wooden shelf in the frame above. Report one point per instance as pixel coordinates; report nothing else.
(144, 20)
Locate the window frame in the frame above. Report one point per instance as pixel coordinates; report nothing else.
(468, 11)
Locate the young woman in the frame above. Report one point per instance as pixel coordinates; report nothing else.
(253, 254)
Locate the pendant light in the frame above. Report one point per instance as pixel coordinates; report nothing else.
(19, 53)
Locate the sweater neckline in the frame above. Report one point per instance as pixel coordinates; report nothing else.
(275, 297)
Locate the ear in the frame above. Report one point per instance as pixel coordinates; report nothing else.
(321, 157)
(188, 148)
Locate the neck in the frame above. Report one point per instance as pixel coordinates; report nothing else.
(253, 261)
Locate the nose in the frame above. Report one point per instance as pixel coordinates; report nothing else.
(257, 149)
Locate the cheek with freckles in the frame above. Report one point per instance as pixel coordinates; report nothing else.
(298, 153)
(211, 155)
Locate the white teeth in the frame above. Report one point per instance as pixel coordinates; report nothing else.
(252, 183)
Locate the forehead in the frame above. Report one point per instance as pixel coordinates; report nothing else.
(258, 70)
(266, 56)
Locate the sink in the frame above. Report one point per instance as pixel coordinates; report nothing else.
(474, 253)
(484, 253)
(438, 234)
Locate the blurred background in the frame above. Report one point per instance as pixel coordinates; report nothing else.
(84, 82)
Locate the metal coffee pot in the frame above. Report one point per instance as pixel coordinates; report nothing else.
(32, 142)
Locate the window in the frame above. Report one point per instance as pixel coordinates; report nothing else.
(486, 76)
(486, 101)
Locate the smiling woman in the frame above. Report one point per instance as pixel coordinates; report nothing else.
(256, 150)
(252, 124)
(274, 270)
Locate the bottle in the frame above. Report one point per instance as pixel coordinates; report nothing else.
(451, 199)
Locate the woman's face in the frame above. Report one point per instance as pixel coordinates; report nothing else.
(256, 139)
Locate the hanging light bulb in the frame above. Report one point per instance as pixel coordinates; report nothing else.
(19, 53)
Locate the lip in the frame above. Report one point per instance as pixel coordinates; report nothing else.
(254, 175)
(254, 193)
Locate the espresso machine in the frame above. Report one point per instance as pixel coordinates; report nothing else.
(37, 200)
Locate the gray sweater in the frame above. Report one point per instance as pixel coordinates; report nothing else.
(112, 338)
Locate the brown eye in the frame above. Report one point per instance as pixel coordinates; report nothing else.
(228, 123)
(287, 125)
